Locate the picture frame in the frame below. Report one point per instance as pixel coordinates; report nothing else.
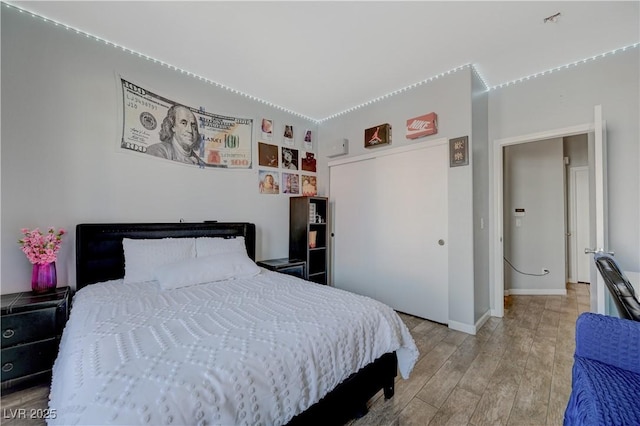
(459, 151)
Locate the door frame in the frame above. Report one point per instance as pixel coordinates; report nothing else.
(496, 271)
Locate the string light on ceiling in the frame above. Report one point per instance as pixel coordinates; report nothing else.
(563, 67)
(476, 72)
(395, 92)
(162, 63)
(552, 18)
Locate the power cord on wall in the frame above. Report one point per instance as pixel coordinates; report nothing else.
(546, 271)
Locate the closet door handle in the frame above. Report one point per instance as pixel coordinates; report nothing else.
(441, 242)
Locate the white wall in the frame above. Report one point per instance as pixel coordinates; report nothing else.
(450, 98)
(480, 148)
(575, 147)
(61, 164)
(566, 98)
(534, 181)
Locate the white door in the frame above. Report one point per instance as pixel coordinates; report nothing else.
(351, 189)
(579, 220)
(390, 212)
(412, 226)
(583, 260)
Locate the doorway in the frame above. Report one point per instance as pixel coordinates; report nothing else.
(534, 223)
(596, 133)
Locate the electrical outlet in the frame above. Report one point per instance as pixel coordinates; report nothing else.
(545, 271)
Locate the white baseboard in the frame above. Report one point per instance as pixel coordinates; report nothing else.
(537, 292)
(482, 320)
(494, 313)
(507, 292)
(470, 329)
(466, 328)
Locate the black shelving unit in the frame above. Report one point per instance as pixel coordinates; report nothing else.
(308, 215)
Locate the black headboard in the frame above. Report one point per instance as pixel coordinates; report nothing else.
(99, 253)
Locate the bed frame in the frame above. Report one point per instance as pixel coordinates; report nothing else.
(100, 257)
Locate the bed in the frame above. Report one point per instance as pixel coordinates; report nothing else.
(211, 338)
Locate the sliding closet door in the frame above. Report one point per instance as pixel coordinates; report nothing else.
(351, 192)
(411, 209)
(390, 213)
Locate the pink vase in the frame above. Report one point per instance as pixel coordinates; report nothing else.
(43, 277)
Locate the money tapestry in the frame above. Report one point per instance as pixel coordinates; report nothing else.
(155, 125)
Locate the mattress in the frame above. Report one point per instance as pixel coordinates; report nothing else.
(253, 351)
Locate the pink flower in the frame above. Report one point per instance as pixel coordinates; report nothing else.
(41, 248)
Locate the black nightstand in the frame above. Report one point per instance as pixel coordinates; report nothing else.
(31, 328)
(297, 268)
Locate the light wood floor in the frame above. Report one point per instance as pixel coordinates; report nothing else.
(515, 371)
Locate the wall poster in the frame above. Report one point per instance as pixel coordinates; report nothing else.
(287, 136)
(267, 129)
(269, 182)
(158, 126)
(290, 183)
(308, 143)
(309, 162)
(267, 154)
(289, 158)
(309, 185)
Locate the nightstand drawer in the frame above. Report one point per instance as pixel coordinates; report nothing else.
(28, 327)
(297, 268)
(296, 271)
(23, 360)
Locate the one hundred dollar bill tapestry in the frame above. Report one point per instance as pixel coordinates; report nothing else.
(157, 126)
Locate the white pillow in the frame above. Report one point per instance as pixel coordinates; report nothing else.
(206, 269)
(208, 246)
(143, 256)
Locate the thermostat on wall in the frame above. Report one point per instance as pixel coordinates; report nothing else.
(518, 212)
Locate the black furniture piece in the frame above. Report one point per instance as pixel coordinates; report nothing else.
(309, 215)
(31, 328)
(620, 288)
(296, 268)
(99, 253)
(99, 257)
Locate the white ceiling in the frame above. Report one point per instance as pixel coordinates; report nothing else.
(318, 58)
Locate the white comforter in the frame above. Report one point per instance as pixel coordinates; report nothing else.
(244, 351)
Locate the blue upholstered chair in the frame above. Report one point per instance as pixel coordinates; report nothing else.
(606, 370)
